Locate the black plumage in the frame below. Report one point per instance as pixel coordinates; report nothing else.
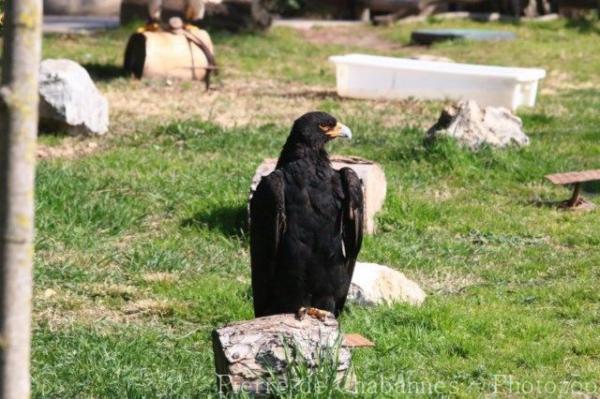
(306, 224)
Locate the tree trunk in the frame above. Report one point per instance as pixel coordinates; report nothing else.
(18, 130)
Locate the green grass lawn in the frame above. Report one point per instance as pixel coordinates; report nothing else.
(142, 245)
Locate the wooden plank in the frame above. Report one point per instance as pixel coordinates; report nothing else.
(357, 341)
(574, 177)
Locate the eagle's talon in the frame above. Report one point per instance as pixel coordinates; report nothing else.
(315, 313)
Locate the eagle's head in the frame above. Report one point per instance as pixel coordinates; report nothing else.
(317, 128)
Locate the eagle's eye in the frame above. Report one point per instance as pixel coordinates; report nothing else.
(325, 128)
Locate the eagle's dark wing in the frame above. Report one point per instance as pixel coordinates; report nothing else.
(267, 225)
(352, 220)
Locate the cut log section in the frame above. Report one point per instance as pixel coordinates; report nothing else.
(184, 53)
(252, 355)
(576, 179)
(369, 172)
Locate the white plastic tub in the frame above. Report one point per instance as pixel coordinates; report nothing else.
(374, 77)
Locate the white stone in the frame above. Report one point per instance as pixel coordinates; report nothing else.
(474, 127)
(374, 284)
(370, 173)
(69, 98)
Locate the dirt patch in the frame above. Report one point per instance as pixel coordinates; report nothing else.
(439, 194)
(141, 106)
(557, 81)
(123, 291)
(444, 281)
(349, 36)
(70, 147)
(90, 316)
(160, 277)
(241, 102)
(148, 307)
(58, 307)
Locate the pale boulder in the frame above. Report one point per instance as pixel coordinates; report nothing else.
(374, 284)
(474, 127)
(69, 99)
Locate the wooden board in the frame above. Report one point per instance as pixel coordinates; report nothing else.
(356, 341)
(574, 177)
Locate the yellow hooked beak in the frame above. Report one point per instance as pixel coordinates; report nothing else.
(340, 130)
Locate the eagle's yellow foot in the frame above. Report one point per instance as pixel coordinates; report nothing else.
(312, 312)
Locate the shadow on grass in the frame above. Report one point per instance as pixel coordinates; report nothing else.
(105, 72)
(231, 221)
(540, 203)
(539, 119)
(585, 25)
(592, 187)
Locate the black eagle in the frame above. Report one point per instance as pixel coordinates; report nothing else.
(306, 225)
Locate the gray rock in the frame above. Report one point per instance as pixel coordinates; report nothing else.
(374, 284)
(70, 100)
(474, 127)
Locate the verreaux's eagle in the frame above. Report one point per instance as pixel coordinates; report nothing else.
(306, 224)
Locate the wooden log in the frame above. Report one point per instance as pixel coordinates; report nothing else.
(369, 172)
(234, 15)
(251, 355)
(170, 55)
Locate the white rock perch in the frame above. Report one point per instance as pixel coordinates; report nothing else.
(249, 354)
(474, 127)
(370, 173)
(374, 284)
(70, 100)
